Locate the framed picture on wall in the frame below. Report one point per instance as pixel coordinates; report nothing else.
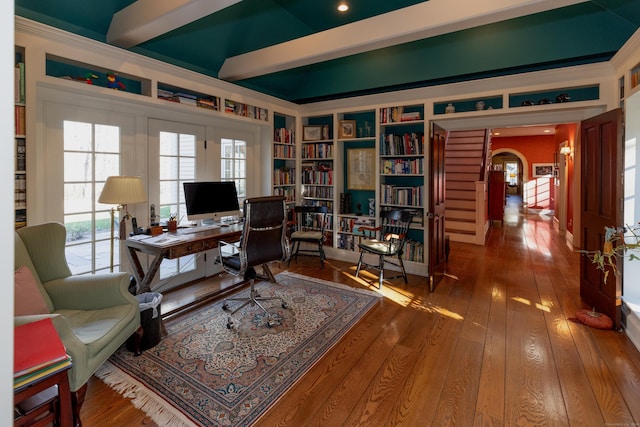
(360, 169)
(541, 170)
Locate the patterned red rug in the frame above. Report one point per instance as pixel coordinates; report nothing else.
(204, 374)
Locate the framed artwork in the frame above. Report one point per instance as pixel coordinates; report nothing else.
(542, 170)
(360, 168)
(311, 133)
(347, 129)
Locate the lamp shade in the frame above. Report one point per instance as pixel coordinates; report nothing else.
(123, 190)
(566, 150)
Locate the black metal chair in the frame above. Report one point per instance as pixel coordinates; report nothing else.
(386, 242)
(263, 240)
(308, 227)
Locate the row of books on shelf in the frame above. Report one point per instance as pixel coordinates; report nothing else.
(285, 136)
(397, 114)
(284, 152)
(19, 89)
(403, 196)
(327, 203)
(319, 192)
(288, 192)
(37, 352)
(317, 151)
(284, 176)
(413, 251)
(245, 110)
(399, 145)
(20, 191)
(353, 225)
(21, 216)
(204, 101)
(402, 166)
(21, 155)
(19, 120)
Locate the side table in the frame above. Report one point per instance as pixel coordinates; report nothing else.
(44, 400)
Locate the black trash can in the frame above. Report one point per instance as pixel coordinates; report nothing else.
(150, 320)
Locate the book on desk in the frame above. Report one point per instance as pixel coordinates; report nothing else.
(37, 352)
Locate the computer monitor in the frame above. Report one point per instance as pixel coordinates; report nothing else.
(211, 200)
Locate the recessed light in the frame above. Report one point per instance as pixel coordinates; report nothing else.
(547, 130)
(343, 7)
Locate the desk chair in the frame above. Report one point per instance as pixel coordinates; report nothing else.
(263, 240)
(386, 241)
(308, 227)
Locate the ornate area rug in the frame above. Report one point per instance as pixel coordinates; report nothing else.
(204, 374)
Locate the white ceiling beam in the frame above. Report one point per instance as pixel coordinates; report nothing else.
(417, 22)
(146, 19)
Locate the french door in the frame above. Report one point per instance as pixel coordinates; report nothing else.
(177, 155)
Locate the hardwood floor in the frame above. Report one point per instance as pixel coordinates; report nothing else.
(494, 345)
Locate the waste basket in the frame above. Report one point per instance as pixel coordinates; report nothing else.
(150, 320)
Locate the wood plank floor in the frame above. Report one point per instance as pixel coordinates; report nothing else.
(492, 346)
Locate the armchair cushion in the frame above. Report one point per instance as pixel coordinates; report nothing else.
(27, 294)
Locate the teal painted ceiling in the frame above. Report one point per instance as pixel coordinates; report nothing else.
(587, 32)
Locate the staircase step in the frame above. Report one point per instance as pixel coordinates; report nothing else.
(451, 161)
(460, 204)
(457, 215)
(460, 226)
(471, 177)
(466, 153)
(461, 195)
(465, 146)
(460, 185)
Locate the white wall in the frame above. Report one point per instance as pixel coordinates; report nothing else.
(6, 214)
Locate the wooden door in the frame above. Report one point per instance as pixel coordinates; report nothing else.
(601, 205)
(436, 209)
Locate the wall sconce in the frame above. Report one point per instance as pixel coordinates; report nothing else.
(121, 191)
(565, 148)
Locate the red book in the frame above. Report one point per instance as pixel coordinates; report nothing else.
(36, 345)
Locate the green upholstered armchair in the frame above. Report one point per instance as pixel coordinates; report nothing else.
(94, 314)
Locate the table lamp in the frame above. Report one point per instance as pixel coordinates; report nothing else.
(121, 191)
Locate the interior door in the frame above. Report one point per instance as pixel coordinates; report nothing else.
(436, 209)
(601, 205)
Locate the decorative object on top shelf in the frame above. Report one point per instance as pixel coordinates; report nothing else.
(113, 82)
(526, 103)
(360, 169)
(121, 191)
(544, 101)
(480, 105)
(450, 108)
(312, 133)
(347, 129)
(563, 97)
(616, 246)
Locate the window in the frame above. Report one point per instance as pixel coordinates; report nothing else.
(91, 154)
(177, 164)
(233, 158)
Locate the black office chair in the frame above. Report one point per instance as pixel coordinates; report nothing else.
(263, 240)
(386, 241)
(308, 227)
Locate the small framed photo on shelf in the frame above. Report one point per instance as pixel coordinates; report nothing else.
(311, 133)
(541, 170)
(347, 129)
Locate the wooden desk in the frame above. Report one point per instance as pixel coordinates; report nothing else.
(180, 244)
(45, 400)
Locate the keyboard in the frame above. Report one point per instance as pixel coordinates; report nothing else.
(199, 228)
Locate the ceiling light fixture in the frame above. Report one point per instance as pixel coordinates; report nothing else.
(343, 6)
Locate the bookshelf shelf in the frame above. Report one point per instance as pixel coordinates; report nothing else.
(401, 169)
(245, 110)
(20, 144)
(184, 96)
(284, 157)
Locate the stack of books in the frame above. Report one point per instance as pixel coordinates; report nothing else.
(37, 352)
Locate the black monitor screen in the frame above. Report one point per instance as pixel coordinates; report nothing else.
(211, 200)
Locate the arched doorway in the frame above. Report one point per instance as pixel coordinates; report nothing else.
(516, 167)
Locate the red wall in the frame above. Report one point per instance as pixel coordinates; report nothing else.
(568, 133)
(536, 149)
